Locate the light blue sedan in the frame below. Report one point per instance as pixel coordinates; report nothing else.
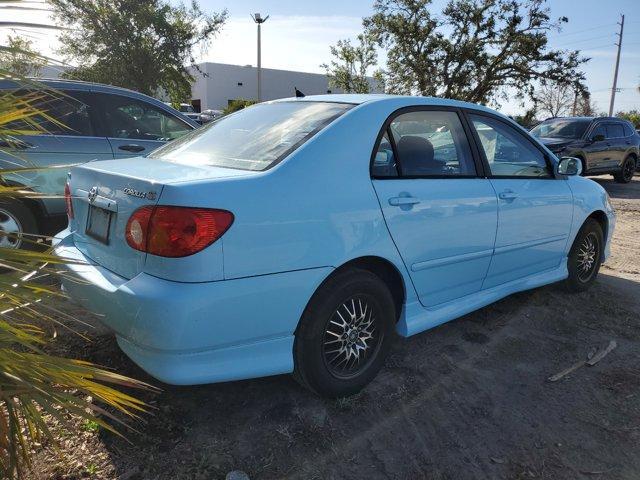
(305, 235)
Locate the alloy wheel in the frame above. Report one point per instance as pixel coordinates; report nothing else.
(10, 230)
(588, 257)
(352, 337)
(628, 169)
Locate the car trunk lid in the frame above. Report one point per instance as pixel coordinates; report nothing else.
(105, 194)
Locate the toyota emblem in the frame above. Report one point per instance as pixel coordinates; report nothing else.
(93, 193)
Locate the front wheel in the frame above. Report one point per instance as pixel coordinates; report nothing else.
(585, 257)
(625, 175)
(345, 334)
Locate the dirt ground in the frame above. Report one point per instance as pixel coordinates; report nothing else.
(468, 400)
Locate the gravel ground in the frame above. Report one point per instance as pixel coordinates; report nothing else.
(468, 400)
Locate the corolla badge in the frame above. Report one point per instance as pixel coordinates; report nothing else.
(139, 194)
(93, 193)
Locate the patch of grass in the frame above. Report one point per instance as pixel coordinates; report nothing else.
(92, 469)
(90, 426)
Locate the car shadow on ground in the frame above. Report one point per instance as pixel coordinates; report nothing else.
(469, 399)
(627, 191)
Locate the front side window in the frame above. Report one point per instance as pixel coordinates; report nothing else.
(507, 152)
(615, 130)
(431, 143)
(61, 113)
(126, 117)
(253, 138)
(564, 128)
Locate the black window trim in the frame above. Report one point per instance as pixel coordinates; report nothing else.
(550, 165)
(480, 171)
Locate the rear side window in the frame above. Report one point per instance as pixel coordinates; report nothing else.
(126, 117)
(615, 130)
(431, 143)
(254, 138)
(63, 113)
(628, 131)
(384, 162)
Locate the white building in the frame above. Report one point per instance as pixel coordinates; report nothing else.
(219, 83)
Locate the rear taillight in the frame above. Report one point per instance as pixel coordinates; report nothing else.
(175, 231)
(67, 200)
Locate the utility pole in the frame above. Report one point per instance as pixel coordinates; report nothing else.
(615, 73)
(259, 20)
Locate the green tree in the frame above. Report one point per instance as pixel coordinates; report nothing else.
(475, 50)
(348, 70)
(19, 57)
(145, 45)
(237, 104)
(632, 115)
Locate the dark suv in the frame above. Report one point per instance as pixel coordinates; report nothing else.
(603, 144)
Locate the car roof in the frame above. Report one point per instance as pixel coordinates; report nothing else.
(79, 85)
(405, 100)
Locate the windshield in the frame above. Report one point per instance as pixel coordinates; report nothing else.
(186, 109)
(561, 128)
(253, 138)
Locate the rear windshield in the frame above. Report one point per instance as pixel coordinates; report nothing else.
(254, 138)
(561, 128)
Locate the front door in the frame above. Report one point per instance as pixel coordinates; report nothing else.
(535, 209)
(441, 215)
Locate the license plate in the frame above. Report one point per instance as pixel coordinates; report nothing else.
(98, 224)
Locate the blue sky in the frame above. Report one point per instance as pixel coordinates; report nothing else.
(298, 35)
(299, 32)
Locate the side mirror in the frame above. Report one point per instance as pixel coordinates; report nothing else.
(569, 166)
(597, 138)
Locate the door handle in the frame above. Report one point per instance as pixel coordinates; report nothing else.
(508, 195)
(400, 201)
(131, 148)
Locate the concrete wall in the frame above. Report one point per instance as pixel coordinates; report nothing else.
(219, 83)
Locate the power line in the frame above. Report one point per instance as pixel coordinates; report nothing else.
(581, 31)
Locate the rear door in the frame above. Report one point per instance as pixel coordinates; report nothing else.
(441, 214)
(136, 127)
(71, 140)
(597, 150)
(617, 144)
(535, 209)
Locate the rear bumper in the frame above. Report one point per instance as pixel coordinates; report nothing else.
(190, 333)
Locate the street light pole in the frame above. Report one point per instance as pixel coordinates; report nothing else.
(259, 20)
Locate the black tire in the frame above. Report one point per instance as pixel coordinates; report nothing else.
(583, 263)
(625, 175)
(318, 336)
(15, 211)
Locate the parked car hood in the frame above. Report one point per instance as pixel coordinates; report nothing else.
(556, 142)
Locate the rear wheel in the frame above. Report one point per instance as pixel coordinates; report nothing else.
(625, 175)
(585, 257)
(16, 223)
(345, 334)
